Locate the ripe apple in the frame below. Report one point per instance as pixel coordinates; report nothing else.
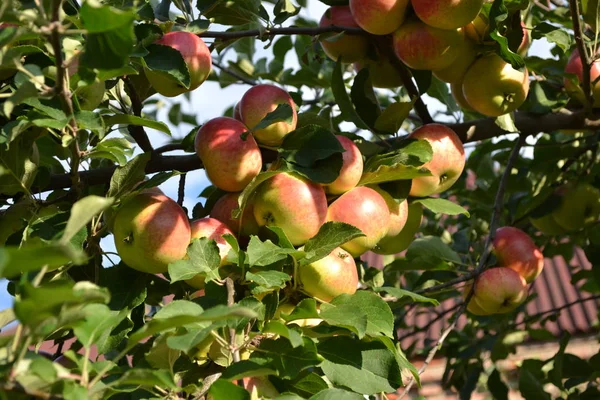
(493, 87)
(497, 291)
(230, 160)
(365, 209)
(379, 17)
(329, 277)
(352, 168)
(382, 73)
(222, 211)
(196, 56)
(447, 163)
(292, 203)
(236, 112)
(580, 207)
(350, 48)
(459, 97)
(212, 229)
(424, 47)
(575, 66)
(514, 249)
(444, 14)
(398, 212)
(150, 232)
(456, 71)
(391, 245)
(259, 101)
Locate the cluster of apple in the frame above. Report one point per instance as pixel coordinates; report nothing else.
(435, 35)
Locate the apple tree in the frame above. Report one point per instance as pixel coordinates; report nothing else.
(457, 140)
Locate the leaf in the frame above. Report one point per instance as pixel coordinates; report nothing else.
(307, 308)
(147, 378)
(442, 206)
(400, 293)
(82, 212)
(552, 34)
(506, 122)
(127, 119)
(336, 394)
(125, 178)
(202, 258)
(331, 235)
(283, 113)
(287, 360)
(225, 390)
(392, 118)
(268, 280)
(496, 387)
(261, 254)
(392, 173)
(366, 368)
(278, 328)
(430, 252)
(342, 99)
(167, 61)
(6, 317)
(530, 382)
(249, 191)
(364, 98)
(35, 256)
(97, 325)
(344, 309)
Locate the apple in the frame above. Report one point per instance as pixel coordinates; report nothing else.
(223, 208)
(150, 232)
(292, 203)
(352, 168)
(444, 14)
(260, 387)
(478, 31)
(547, 225)
(350, 48)
(580, 207)
(365, 209)
(212, 229)
(200, 352)
(459, 97)
(514, 249)
(456, 71)
(447, 163)
(236, 112)
(391, 245)
(493, 87)
(196, 56)
(261, 100)
(575, 67)
(398, 212)
(329, 277)
(497, 291)
(231, 160)
(424, 47)
(383, 73)
(379, 17)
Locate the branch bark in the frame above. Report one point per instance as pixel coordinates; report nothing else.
(263, 33)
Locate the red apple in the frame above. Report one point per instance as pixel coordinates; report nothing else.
(497, 291)
(423, 47)
(223, 208)
(329, 277)
(447, 163)
(514, 249)
(196, 56)
(230, 160)
(379, 17)
(575, 66)
(382, 72)
(292, 203)
(365, 209)
(391, 245)
(150, 232)
(350, 48)
(352, 168)
(444, 14)
(398, 212)
(259, 101)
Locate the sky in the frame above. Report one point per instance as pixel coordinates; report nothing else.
(210, 101)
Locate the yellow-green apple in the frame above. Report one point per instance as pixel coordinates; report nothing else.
(497, 291)
(478, 31)
(424, 47)
(292, 203)
(200, 352)
(259, 101)
(396, 244)
(447, 163)
(288, 308)
(350, 48)
(365, 209)
(580, 207)
(456, 71)
(575, 67)
(229, 153)
(223, 208)
(514, 249)
(382, 72)
(212, 229)
(196, 56)
(459, 97)
(329, 277)
(150, 232)
(379, 17)
(547, 225)
(398, 212)
(352, 168)
(444, 14)
(493, 87)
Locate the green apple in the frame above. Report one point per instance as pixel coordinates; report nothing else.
(497, 291)
(399, 243)
(580, 207)
(459, 97)
(383, 73)
(514, 249)
(223, 209)
(150, 232)
(548, 225)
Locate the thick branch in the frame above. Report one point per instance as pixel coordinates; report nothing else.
(583, 53)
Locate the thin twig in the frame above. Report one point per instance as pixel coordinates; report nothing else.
(138, 133)
(235, 74)
(181, 189)
(266, 33)
(230, 302)
(583, 53)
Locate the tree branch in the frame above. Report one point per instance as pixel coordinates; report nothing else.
(583, 53)
(263, 33)
(233, 73)
(138, 133)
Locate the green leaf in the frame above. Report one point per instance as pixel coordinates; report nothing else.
(287, 360)
(146, 378)
(553, 34)
(331, 235)
(279, 328)
(127, 119)
(364, 98)
(18, 165)
(225, 390)
(531, 383)
(97, 325)
(249, 191)
(392, 118)
(268, 280)
(496, 386)
(6, 317)
(307, 308)
(400, 293)
(166, 60)
(82, 212)
(261, 254)
(336, 394)
(442, 206)
(125, 178)
(342, 99)
(430, 252)
(283, 113)
(35, 256)
(203, 258)
(506, 122)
